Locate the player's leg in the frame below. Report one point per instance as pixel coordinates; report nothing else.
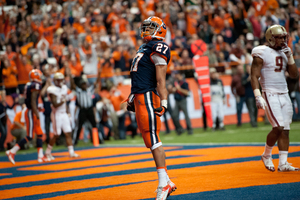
(47, 127)
(56, 125)
(283, 139)
(66, 127)
(150, 124)
(29, 126)
(275, 117)
(39, 140)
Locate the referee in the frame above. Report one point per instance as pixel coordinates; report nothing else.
(84, 102)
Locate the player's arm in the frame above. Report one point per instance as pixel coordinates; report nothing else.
(291, 65)
(256, 72)
(291, 68)
(34, 95)
(256, 67)
(161, 88)
(159, 57)
(53, 100)
(161, 81)
(293, 71)
(44, 89)
(68, 73)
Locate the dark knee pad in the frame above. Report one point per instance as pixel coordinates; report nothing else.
(24, 141)
(39, 141)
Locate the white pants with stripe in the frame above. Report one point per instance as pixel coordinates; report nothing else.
(279, 109)
(217, 111)
(61, 121)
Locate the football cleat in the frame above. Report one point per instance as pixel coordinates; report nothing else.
(11, 156)
(268, 163)
(43, 159)
(286, 167)
(74, 155)
(49, 156)
(163, 192)
(172, 186)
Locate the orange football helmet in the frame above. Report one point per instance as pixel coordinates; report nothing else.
(35, 75)
(153, 27)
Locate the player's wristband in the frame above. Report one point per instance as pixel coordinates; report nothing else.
(164, 103)
(291, 60)
(256, 92)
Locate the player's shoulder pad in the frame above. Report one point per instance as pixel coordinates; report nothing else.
(35, 86)
(65, 87)
(161, 48)
(259, 51)
(51, 89)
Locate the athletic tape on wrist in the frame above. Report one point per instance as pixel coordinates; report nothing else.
(256, 92)
(164, 103)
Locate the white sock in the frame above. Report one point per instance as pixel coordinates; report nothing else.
(71, 149)
(40, 152)
(268, 151)
(168, 179)
(283, 157)
(15, 149)
(162, 177)
(49, 148)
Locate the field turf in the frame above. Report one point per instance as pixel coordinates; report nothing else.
(205, 165)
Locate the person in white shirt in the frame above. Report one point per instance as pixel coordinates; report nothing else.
(90, 62)
(270, 62)
(60, 118)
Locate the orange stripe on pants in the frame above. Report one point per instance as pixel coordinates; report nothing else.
(148, 123)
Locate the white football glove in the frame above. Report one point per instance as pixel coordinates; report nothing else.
(287, 50)
(260, 102)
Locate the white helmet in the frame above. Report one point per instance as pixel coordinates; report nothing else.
(59, 79)
(274, 36)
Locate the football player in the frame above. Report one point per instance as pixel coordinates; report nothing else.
(270, 62)
(32, 91)
(148, 96)
(60, 118)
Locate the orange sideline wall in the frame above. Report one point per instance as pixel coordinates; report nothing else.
(194, 107)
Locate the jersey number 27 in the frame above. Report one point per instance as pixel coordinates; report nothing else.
(135, 62)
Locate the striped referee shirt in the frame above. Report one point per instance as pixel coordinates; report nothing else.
(84, 97)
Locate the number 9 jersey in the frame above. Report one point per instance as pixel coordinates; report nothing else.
(142, 71)
(273, 71)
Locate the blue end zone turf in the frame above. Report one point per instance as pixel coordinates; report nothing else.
(290, 191)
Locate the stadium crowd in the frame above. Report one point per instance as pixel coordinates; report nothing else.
(95, 37)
